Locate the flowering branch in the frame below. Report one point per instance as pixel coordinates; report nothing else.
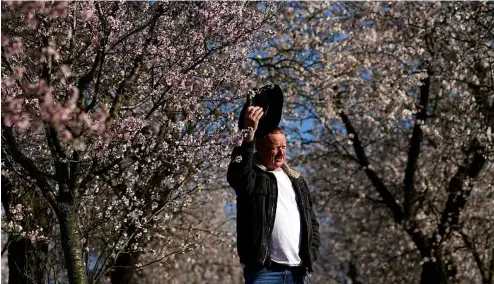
(410, 194)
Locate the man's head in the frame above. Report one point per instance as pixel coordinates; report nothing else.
(271, 149)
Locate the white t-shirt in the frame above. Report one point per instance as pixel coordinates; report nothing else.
(284, 244)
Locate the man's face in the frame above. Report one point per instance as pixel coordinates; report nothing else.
(273, 151)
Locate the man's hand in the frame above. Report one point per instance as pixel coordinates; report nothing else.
(252, 116)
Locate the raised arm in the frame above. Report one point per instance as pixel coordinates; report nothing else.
(240, 174)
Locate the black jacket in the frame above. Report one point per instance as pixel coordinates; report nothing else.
(257, 195)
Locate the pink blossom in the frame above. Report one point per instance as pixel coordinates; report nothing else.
(95, 40)
(87, 14)
(18, 71)
(23, 122)
(5, 40)
(66, 70)
(66, 135)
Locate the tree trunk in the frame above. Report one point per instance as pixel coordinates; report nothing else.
(124, 269)
(25, 258)
(18, 262)
(25, 261)
(125, 265)
(69, 229)
(432, 273)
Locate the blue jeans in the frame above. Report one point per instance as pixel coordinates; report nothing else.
(275, 276)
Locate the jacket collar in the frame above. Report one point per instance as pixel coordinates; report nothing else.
(289, 171)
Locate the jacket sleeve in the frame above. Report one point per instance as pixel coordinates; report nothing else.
(316, 241)
(240, 174)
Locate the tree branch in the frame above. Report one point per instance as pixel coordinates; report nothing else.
(29, 165)
(471, 247)
(473, 163)
(135, 68)
(387, 197)
(73, 169)
(490, 278)
(136, 30)
(414, 151)
(411, 227)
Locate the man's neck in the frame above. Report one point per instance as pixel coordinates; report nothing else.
(275, 170)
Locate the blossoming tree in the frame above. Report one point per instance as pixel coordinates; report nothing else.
(400, 151)
(113, 113)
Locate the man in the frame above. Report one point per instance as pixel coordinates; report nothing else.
(277, 230)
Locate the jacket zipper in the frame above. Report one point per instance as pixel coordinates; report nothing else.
(270, 217)
(265, 254)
